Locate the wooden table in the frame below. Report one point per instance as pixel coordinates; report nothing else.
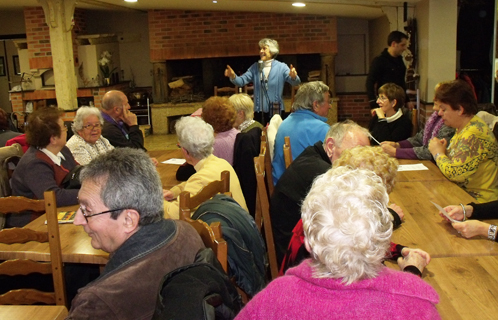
(467, 286)
(75, 244)
(433, 174)
(33, 312)
(167, 172)
(423, 227)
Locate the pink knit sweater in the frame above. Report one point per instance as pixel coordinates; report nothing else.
(224, 144)
(297, 295)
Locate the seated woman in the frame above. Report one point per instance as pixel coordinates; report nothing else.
(87, 142)
(417, 147)
(389, 123)
(46, 163)
(360, 157)
(347, 230)
(196, 138)
(220, 114)
(470, 226)
(5, 132)
(244, 112)
(470, 159)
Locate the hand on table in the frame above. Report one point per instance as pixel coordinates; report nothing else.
(471, 228)
(414, 257)
(292, 72)
(437, 146)
(389, 147)
(168, 195)
(154, 161)
(129, 117)
(398, 210)
(229, 72)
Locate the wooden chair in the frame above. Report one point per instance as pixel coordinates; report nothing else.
(287, 152)
(25, 267)
(211, 235)
(249, 90)
(225, 90)
(263, 214)
(264, 150)
(293, 94)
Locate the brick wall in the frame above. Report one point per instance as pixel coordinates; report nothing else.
(205, 34)
(38, 37)
(354, 107)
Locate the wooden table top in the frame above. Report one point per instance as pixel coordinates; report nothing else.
(33, 312)
(167, 172)
(433, 174)
(467, 286)
(423, 227)
(75, 244)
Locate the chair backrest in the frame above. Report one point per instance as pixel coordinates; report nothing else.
(287, 152)
(249, 90)
(263, 214)
(293, 94)
(265, 147)
(25, 267)
(210, 235)
(225, 90)
(188, 203)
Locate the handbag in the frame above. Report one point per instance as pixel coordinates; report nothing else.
(72, 179)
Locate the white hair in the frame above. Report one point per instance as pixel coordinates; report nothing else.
(196, 136)
(347, 224)
(242, 101)
(271, 44)
(81, 114)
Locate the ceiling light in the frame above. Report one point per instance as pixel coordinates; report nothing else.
(299, 4)
(214, 1)
(130, 0)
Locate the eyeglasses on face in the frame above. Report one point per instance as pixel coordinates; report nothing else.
(382, 98)
(92, 126)
(86, 215)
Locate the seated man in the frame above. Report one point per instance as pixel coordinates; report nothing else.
(196, 138)
(295, 183)
(121, 209)
(120, 125)
(305, 126)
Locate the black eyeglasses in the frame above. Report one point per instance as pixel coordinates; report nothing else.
(86, 215)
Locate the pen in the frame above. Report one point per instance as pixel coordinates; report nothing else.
(373, 138)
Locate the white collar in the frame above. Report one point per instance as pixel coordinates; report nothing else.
(55, 158)
(395, 116)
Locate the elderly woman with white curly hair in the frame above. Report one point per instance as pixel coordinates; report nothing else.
(87, 143)
(348, 231)
(196, 139)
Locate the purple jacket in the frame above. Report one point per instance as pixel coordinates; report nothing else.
(297, 295)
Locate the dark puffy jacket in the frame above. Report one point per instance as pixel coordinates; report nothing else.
(247, 259)
(201, 290)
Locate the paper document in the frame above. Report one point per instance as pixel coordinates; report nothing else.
(65, 216)
(412, 167)
(444, 212)
(174, 161)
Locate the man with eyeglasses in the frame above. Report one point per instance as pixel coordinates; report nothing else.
(120, 124)
(121, 209)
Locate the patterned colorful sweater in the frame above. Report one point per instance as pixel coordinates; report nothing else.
(471, 161)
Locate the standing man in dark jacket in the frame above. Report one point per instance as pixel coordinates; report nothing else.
(388, 67)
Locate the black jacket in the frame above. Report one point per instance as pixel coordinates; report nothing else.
(113, 133)
(384, 69)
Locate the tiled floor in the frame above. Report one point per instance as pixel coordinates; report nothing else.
(160, 142)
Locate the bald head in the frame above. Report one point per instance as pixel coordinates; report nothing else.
(342, 136)
(113, 98)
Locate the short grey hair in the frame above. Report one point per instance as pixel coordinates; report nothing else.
(81, 114)
(196, 136)
(308, 93)
(347, 224)
(242, 101)
(339, 130)
(111, 99)
(129, 180)
(271, 44)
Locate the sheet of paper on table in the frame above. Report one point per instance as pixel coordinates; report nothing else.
(174, 161)
(412, 167)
